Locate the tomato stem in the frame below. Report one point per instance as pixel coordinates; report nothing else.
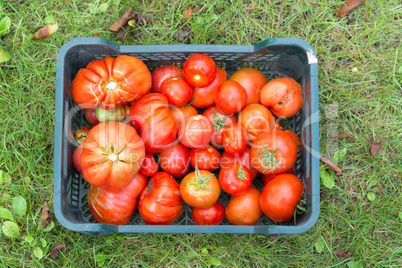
(219, 123)
(201, 181)
(241, 174)
(300, 208)
(268, 159)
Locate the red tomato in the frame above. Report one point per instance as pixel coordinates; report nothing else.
(235, 179)
(212, 215)
(219, 121)
(244, 209)
(283, 96)
(149, 167)
(207, 158)
(199, 70)
(267, 177)
(163, 73)
(160, 202)
(230, 97)
(252, 80)
(175, 160)
(273, 152)
(112, 155)
(244, 159)
(280, 196)
(110, 82)
(182, 113)
(257, 119)
(277, 125)
(90, 116)
(200, 189)
(152, 116)
(234, 139)
(205, 96)
(195, 132)
(293, 136)
(177, 91)
(115, 206)
(77, 158)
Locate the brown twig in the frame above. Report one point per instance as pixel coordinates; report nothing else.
(122, 21)
(334, 167)
(347, 7)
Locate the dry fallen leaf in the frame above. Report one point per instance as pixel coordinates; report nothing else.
(46, 31)
(348, 6)
(343, 253)
(187, 13)
(375, 146)
(45, 216)
(55, 251)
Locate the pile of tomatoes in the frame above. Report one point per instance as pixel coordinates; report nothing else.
(195, 133)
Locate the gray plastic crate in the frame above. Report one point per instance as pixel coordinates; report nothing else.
(275, 57)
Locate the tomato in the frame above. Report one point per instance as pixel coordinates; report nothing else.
(199, 70)
(115, 206)
(177, 91)
(175, 160)
(77, 158)
(112, 155)
(230, 97)
(182, 113)
(117, 114)
(293, 136)
(267, 177)
(244, 209)
(283, 96)
(195, 132)
(152, 116)
(207, 158)
(280, 196)
(162, 73)
(200, 189)
(234, 179)
(160, 202)
(212, 215)
(205, 96)
(149, 167)
(252, 80)
(257, 119)
(82, 134)
(219, 121)
(244, 159)
(234, 139)
(273, 152)
(110, 82)
(90, 116)
(277, 125)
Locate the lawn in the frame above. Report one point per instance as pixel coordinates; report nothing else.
(360, 93)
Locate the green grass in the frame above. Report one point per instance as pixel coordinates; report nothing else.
(360, 74)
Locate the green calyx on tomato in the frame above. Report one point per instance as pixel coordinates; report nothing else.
(201, 180)
(113, 156)
(241, 174)
(219, 123)
(268, 158)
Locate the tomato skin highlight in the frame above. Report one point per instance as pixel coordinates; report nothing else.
(204, 97)
(252, 80)
(244, 209)
(212, 215)
(280, 196)
(230, 97)
(199, 70)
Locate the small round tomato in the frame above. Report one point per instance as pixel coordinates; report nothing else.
(207, 158)
(283, 96)
(244, 159)
(205, 96)
(244, 209)
(293, 136)
(230, 97)
(212, 215)
(219, 121)
(90, 116)
(149, 167)
(199, 70)
(195, 132)
(234, 139)
(252, 80)
(162, 73)
(175, 160)
(267, 177)
(177, 91)
(280, 196)
(234, 179)
(200, 189)
(257, 119)
(273, 152)
(160, 202)
(182, 113)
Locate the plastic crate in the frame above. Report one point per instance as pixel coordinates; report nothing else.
(275, 57)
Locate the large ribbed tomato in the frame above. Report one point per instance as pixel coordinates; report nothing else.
(112, 155)
(157, 126)
(110, 82)
(115, 206)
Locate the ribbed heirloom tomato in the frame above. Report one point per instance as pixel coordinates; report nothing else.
(110, 82)
(113, 154)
